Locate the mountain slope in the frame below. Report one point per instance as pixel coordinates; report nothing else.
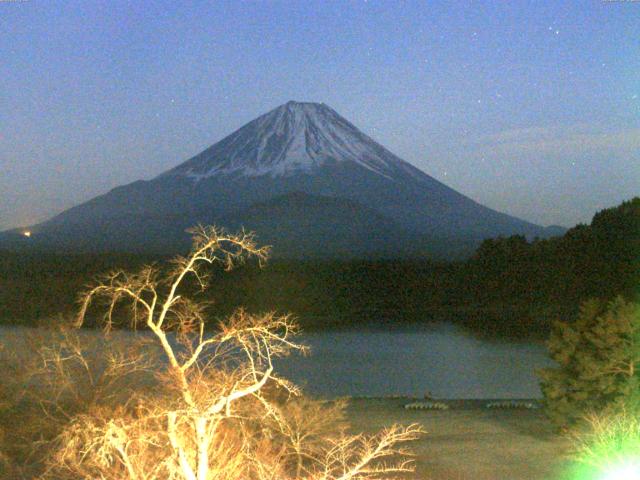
(297, 147)
(308, 226)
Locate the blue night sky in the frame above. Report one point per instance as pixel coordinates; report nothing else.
(531, 108)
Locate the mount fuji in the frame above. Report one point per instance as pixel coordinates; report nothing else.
(305, 179)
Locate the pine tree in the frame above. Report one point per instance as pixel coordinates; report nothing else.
(597, 358)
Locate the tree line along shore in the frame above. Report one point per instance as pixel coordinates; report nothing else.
(509, 287)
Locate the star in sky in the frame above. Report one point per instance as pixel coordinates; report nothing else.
(517, 79)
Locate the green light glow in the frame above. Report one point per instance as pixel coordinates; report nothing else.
(609, 448)
(625, 471)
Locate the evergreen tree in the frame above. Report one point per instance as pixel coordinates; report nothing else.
(598, 358)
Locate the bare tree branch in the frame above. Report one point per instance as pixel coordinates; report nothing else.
(214, 408)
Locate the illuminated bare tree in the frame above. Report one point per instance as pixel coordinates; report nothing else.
(213, 406)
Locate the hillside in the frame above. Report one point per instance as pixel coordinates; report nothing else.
(297, 148)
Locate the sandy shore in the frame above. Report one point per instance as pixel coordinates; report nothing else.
(472, 443)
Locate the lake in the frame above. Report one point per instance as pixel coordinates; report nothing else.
(442, 359)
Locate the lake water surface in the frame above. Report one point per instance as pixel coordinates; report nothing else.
(443, 359)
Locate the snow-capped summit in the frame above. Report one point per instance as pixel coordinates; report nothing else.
(292, 138)
(305, 179)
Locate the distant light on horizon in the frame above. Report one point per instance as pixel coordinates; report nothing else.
(27, 233)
